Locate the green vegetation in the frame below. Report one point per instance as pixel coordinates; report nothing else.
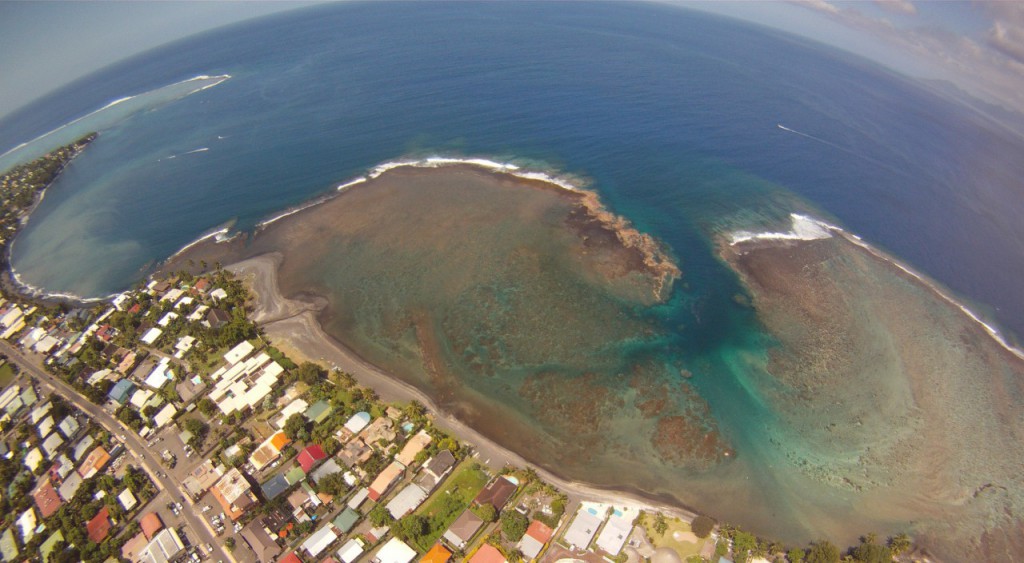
(6, 375)
(673, 533)
(702, 526)
(448, 502)
(513, 525)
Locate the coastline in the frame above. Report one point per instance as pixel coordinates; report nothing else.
(292, 326)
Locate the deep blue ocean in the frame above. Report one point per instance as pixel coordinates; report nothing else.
(671, 115)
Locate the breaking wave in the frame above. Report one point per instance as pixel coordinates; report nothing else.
(213, 81)
(805, 228)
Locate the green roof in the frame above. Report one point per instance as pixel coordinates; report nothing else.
(318, 411)
(50, 543)
(346, 520)
(294, 475)
(8, 546)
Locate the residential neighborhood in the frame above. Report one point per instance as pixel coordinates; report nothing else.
(271, 461)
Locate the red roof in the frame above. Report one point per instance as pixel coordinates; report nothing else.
(309, 456)
(539, 531)
(151, 524)
(290, 558)
(136, 308)
(99, 526)
(47, 499)
(487, 554)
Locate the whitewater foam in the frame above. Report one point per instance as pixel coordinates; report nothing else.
(805, 228)
(565, 182)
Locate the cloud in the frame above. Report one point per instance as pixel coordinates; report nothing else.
(819, 5)
(988, 65)
(905, 7)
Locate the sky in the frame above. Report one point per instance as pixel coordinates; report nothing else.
(978, 46)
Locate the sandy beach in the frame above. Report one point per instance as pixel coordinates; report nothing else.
(291, 326)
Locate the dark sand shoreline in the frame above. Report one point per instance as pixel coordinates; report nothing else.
(293, 327)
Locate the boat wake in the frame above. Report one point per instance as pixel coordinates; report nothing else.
(805, 228)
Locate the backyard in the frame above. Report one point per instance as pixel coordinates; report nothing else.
(677, 536)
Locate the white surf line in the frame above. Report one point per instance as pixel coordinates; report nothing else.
(221, 77)
(194, 151)
(214, 234)
(807, 228)
(564, 182)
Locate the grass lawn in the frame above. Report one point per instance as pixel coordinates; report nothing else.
(675, 537)
(6, 375)
(448, 502)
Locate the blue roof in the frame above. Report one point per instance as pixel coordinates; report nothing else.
(363, 415)
(275, 486)
(119, 392)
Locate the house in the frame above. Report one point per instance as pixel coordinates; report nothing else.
(274, 487)
(318, 542)
(487, 554)
(346, 520)
(70, 486)
(318, 412)
(290, 558)
(203, 477)
(151, 524)
(47, 547)
(463, 529)
(584, 526)
(165, 415)
(68, 427)
(435, 470)
(358, 499)
(351, 551)
(45, 426)
(82, 446)
(536, 536)
(151, 336)
(127, 499)
(27, 522)
(413, 447)
(202, 285)
(233, 492)
(295, 475)
(161, 374)
(46, 499)
(132, 548)
(310, 456)
(165, 546)
(615, 532)
(217, 318)
(355, 453)
(121, 391)
(61, 468)
(437, 554)
(497, 492)
(99, 526)
(94, 463)
(357, 422)
(294, 407)
(395, 551)
(328, 467)
(268, 451)
(380, 430)
(218, 294)
(51, 443)
(260, 541)
(33, 458)
(9, 547)
(387, 479)
(407, 500)
(167, 319)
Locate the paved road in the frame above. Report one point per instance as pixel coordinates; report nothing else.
(30, 364)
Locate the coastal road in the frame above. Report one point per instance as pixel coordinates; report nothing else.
(30, 364)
